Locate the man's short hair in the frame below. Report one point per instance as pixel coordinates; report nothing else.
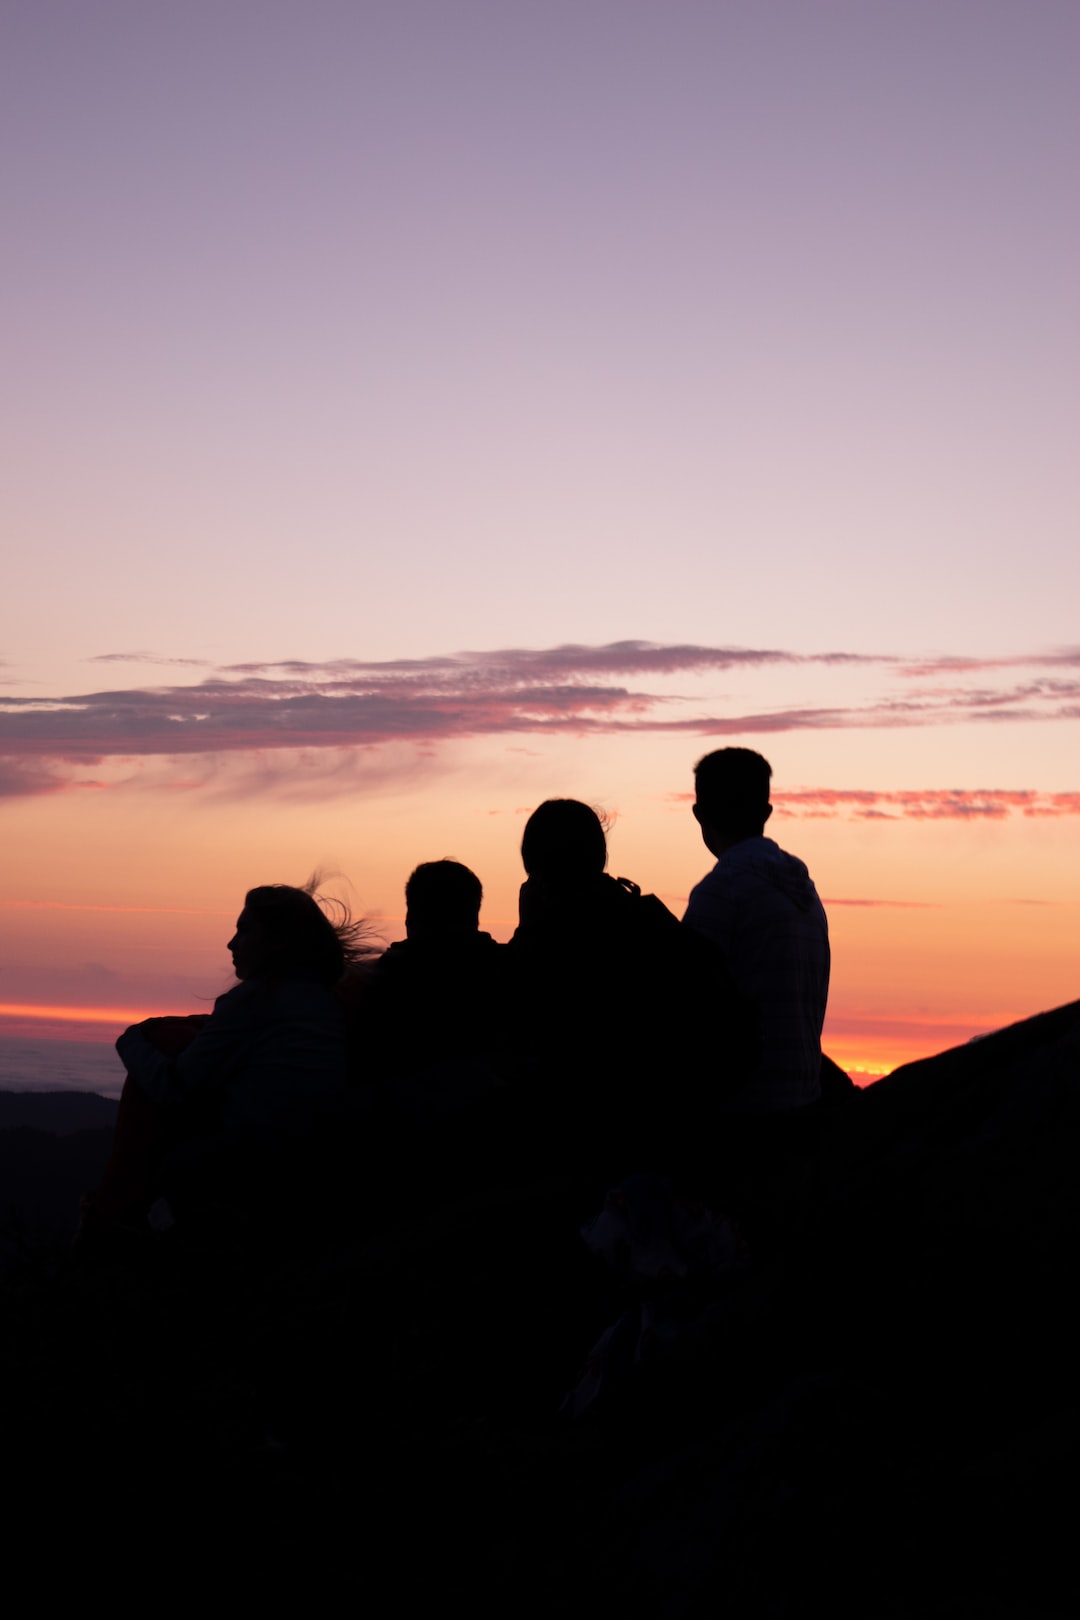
(732, 787)
(444, 894)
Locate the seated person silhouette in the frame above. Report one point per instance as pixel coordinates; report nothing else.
(567, 895)
(431, 1025)
(263, 1071)
(608, 987)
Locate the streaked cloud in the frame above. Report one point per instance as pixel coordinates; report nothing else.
(1062, 658)
(561, 663)
(145, 658)
(336, 715)
(923, 804)
(27, 777)
(904, 905)
(927, 804)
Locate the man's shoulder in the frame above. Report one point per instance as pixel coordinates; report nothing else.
(714, 884)
(761, 863)
(742, 868)
(756, 876)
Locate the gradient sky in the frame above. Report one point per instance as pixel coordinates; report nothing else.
(417, 410)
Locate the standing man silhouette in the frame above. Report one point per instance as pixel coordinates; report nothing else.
(760, 906)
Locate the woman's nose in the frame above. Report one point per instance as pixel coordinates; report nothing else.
(231, 946)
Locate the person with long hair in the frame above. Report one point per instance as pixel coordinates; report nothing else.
(571, 910)
(613, 988)
(267, 1066)
(588, 952)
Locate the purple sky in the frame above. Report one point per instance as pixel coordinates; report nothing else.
(350, 343)
(382, 330)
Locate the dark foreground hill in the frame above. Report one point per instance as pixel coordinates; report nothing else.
(881, 1419)
(53, 1146)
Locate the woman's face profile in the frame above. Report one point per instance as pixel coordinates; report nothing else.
(248, 946)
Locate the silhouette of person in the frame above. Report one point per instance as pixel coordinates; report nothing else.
(610, 989)
(579, 929)
(569, 897)
(759, 906)
(442, 901)
(433, 1011)
(267, 1065)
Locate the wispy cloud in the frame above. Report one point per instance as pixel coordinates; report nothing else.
(547, 664)
(904, 905)
(927, 804)
(333, 714)
(920, 804)
(949, 664)
(26, 778)
(145, 658)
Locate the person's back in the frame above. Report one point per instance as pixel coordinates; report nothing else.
(587, 945)
(228, 1108)
(271, 1057)
(431, 1025)
(609, 985)
(759, 905)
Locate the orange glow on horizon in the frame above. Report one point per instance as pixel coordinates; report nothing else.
(866, 1055)
(81, 1015)
(861, 1054)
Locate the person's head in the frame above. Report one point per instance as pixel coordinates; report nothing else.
(731, 797)
(283, 933)
(564, 839)
(442, 897)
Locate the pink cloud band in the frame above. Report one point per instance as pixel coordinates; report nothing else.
(927, 804)
(47, 744)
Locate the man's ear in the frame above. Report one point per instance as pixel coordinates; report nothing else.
(768, 813)
(697, 812)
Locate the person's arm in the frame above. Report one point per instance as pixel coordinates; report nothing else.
(205, 1065)
(712, 910)
(713, 916)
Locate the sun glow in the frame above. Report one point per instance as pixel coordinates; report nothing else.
(79, 1015)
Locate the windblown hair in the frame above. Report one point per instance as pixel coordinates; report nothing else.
(301, 939)
(563, 839)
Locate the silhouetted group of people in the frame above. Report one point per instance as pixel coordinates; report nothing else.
(607, 1038)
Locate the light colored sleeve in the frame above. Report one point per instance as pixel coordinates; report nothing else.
(712, 910)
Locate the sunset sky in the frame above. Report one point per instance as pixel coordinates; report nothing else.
(416, 409)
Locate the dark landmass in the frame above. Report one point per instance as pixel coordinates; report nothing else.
(60, 1113)
(356, 1399)
(53, 1147)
